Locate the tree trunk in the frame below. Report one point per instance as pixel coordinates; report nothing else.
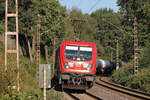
(33, 46)
(46, 53)
(29, 48)
(54, 46)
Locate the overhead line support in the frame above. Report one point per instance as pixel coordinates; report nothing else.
(15, 15)
(135, 46)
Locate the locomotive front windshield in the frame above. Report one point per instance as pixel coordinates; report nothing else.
(80, 53)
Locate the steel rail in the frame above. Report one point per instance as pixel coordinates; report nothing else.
(72, 96)
(124, 90)
(93, 96)
(76, 97)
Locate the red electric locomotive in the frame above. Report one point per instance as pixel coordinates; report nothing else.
(75, 64)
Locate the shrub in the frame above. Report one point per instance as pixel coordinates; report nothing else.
(125, 77)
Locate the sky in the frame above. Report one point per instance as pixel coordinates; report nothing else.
(89, 6)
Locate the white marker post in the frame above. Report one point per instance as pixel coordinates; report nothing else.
(44, 92)
(44, 78)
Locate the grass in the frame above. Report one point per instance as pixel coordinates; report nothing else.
(28, 81)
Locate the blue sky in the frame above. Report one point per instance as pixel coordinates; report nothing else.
(88, 6)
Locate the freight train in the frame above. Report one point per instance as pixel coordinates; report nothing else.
(75, 65)
(105, 66)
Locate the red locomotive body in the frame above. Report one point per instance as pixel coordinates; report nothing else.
(75, 64)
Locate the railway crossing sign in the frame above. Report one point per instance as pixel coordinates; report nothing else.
(45, 75)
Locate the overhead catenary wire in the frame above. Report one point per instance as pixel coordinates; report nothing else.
(94, 5)
(68, 18)
(117, 27)
(55, 25)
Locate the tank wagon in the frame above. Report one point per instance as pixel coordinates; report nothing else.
(75, 65)
(104, 66)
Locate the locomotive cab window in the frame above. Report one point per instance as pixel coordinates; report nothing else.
(80, 53)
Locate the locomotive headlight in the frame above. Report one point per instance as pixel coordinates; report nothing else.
(70, 64)
(89, 67)
(66, 66)
(85, 65)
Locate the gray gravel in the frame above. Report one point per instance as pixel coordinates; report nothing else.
(105, 94)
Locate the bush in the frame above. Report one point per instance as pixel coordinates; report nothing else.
(124, 76)
(28, 83)
(145, 58)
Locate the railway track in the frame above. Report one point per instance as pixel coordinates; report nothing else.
(103, 90)
(80, 96)
(123, 90)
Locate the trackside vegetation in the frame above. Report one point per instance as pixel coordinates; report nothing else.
(124, 75)
(29, 87)
(102, 27)
(139, 81)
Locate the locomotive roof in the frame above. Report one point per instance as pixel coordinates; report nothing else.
(77, 43)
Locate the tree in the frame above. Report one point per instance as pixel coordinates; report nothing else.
(145, 58)
(2, 10)
(2, 16)
(109, 29)
(83, 25)
(28, 10)
(51, 15)
(140, 9)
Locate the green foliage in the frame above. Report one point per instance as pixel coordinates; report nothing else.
(2, 10)
(51, 16)
(108, 30)
(129, 10)
(53, 95)
(84, 26)
(145, 57)
(107, 33)
(136, 8)
(2, 28)
(30, 66)
(100, 49)
(77, 21)
(27, 16)
(28, 83)
(102, 27)
(14, 95)
(125, 77)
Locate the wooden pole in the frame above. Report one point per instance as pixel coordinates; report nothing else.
(76, 30)
(38, 45)
(117, 55)
(6, 11)
(54, 46)
(135, 46)
(17, 46)
(12, 34)
(111, 56)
